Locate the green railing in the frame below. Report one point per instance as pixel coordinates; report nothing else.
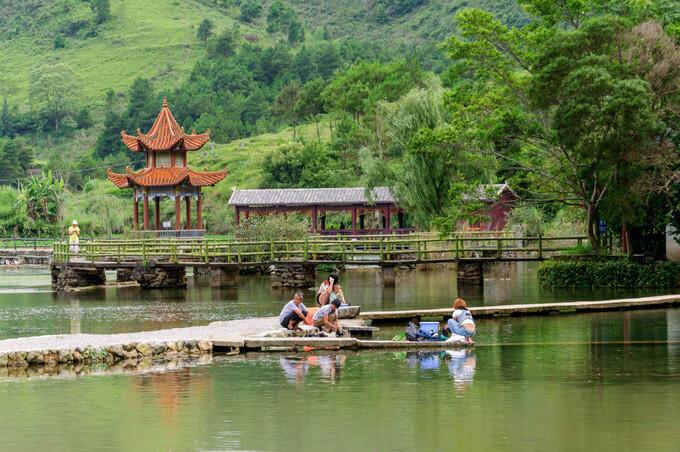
(414, 247)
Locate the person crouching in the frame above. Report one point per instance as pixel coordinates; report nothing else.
(461, 322)
(293, 313)
(327, 318)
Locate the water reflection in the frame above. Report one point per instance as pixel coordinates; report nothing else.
(30, 308)
(460, 363)
(296, 368)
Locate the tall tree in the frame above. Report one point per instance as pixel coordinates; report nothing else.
(284, 104)
(55, 87)
(562, 108)
(310, 103)
(250, 10)
(205, 31)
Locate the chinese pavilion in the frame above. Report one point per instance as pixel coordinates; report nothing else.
(166, 174)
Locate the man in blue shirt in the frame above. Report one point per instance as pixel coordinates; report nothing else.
(293, 313)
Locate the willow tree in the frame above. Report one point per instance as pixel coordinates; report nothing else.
(425, 173)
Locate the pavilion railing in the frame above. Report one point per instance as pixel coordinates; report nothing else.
(342, 249)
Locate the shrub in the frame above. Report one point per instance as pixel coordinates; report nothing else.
(608, 274)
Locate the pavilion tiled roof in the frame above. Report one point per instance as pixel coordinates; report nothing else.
(164, 135)
(309, 196)
(158, 177)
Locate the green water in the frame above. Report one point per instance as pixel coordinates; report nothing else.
(569, 382)
(28, 307)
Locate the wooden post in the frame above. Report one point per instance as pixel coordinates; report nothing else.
(323, 221)
(135, 212)
(187, 200)
(400, 216)
(361, 221)
(178, 212)
(237, 217)
(199, 212)
(314, 215)
(157, 213)
(540, 247)
(146, 212)
(500, 250)
(354, 220)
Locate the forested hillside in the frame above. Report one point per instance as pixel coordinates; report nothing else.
(429, 97)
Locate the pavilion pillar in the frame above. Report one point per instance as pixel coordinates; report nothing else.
(187, 201)
(199, 211)
(178, 212)
(315, 213)
(237, 217)
(157, 213)
(146, 212)
(387, 220)
(354, 219)
(400, 216)
(135, 212)
(323, 221)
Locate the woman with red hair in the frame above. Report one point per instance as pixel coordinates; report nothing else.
(461, 322)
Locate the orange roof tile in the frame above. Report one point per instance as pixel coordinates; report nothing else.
(164, 135)
(156, 177)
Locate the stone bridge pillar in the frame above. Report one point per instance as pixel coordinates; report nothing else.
(154, 277)
(388, 275)
(224, 276)
(65, 278)
(470, 274)
(293, 275)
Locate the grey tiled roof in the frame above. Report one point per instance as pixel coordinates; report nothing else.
(308, 196)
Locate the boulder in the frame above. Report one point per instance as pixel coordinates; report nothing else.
(144, 350)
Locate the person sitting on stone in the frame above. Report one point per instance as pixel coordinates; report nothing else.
(327, 318)
(337, 294)
(323, 296)
(293, 313)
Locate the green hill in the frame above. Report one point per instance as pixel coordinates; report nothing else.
(154, 39)
(398, 22)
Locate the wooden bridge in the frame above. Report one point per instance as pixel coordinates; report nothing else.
(227, 256)
(355, 250)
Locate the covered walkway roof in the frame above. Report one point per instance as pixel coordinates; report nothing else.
(311, 197)
(315, 200)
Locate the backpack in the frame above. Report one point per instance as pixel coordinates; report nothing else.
(411, 332)
(426, 336)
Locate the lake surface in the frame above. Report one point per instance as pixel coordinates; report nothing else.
(601, 381)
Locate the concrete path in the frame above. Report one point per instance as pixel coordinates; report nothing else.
(530, 309)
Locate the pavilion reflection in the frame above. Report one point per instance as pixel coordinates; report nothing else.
(173, 390)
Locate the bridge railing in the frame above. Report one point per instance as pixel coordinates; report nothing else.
(34, 243)
(416, 248)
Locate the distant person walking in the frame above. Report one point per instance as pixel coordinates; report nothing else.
(73, 235)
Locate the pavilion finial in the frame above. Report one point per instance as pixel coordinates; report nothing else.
(165, 102)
